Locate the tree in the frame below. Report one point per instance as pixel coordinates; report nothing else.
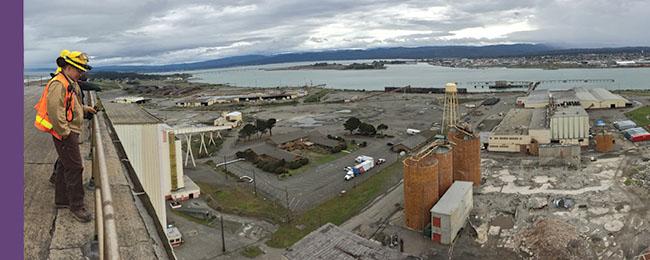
(247, 131)
(270, 124)
(367, 129)
(260, 126)
(381, 128)
(352, 124)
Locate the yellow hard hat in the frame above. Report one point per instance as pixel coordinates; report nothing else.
(77, 59)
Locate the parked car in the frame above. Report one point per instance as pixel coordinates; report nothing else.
(175, 204)
(380, 161)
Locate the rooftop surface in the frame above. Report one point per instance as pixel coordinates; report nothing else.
(129, 114)
(332, 242)
(452, 197)
(570, 111)
(579, 94)
(518, 120)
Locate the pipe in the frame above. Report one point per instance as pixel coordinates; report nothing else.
(110, 244)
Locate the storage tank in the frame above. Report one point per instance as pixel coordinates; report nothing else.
(420, 190)
(604, 142)
(467, 156)
(443, 153)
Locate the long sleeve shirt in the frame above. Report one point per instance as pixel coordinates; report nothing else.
(56, 108)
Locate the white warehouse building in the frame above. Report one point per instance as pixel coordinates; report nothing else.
(153, 152)
(570, 125)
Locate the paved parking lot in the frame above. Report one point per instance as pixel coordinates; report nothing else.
(310, 188)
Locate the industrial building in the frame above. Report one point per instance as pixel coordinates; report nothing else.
(131, 100)
(518, 129)
(154, 154)
(232, 119)
(522, 130)
(252, 97)
(570, 125)
(448, 216)
(637, 134)
(429, 173)
(588, 98)
(332, 242)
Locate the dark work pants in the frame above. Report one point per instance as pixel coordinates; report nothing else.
(69, 173)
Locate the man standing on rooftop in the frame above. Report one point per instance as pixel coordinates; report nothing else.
(60, 113)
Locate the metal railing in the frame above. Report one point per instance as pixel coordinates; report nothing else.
(104, 212)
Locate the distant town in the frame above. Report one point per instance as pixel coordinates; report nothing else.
(551, 61)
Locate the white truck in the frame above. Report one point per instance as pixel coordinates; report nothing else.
(359, 169)
(412, 131)
(362, 158)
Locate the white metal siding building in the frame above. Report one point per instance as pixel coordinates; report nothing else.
(570, 125)
(156, 161)
(449, 214)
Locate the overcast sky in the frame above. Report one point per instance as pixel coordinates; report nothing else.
(162, 32)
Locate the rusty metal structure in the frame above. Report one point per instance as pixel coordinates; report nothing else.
(604, 142)
(466, 154)
(420, 189)
(444, 155)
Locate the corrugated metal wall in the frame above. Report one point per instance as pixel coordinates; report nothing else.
(569, 127)
(144, 147)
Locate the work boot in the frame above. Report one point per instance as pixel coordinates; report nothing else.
(82, 215)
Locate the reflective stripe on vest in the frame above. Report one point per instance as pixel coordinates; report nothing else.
(42, 121)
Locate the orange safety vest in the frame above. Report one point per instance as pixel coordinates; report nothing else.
(43, 122)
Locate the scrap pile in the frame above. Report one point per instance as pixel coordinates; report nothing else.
(552, 239)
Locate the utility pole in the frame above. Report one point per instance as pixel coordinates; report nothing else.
(223, 239)
(286, 196)
(254, 183)
(225, 168)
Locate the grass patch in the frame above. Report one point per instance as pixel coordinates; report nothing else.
(316, 159)
(241, 201)
(640, 116)
(315, 97)
(252, 251)
(338, 209)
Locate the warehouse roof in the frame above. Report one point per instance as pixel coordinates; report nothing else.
(577, 94)
(569, 111)
(129, 114)
(332, 242)
(452, 197)
(288, 137)
(518, 120)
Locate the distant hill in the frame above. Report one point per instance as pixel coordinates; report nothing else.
(378, 53)
(428, 52)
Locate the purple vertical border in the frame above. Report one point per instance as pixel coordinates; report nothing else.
(11, 130)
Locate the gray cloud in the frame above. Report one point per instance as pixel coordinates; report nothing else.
(160, 32)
